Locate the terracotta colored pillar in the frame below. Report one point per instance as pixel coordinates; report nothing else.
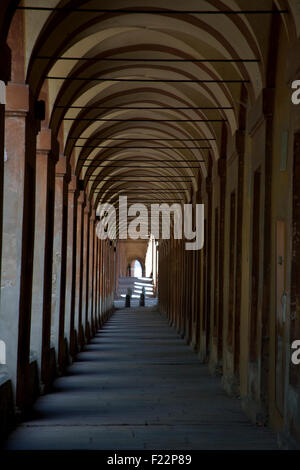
(110, 261)
(79, 269)
(106, 274)
(98, 280)
(18, 234)
(117, 272)
(85, 270)
(95, 281)
(5, 77)
(207, 273)
(46, 156)
(107, 277)
(59, 261)
(112, 276)
(222, 177)
(183, 289)
(70, 265)
(90, 288)
(115, 261)
(2, 156)
(178, 284)
(104, 270)
(101, 285)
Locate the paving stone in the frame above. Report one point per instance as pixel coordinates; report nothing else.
(138, 386)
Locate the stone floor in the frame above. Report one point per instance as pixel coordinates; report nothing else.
(138, 386)
(149, 302)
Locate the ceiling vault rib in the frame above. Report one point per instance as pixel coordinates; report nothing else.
(159, 12)
(139, 161)
(91, 108)
(140, 148)
(114, 59)
(144, 139)
(169, 180)
(142, 190)
(143, 120)
(146, 80)
(143, 167)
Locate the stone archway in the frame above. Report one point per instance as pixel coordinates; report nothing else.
(136, 268)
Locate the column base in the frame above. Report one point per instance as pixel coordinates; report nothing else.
(255, 411)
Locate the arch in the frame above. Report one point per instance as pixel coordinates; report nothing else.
(136, 268)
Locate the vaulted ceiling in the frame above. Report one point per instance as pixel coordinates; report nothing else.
(143, 92)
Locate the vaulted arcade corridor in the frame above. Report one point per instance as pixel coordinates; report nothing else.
(194, 105)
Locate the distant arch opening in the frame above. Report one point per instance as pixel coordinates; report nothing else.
(136, 269)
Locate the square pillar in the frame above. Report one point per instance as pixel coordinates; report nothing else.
(70, 265)
(59, 262)
(79, 269)
(101, 283)
(96, 273)
(2, 157)
(85, 271)
(90, 292)
(46, 156)
(18, 235)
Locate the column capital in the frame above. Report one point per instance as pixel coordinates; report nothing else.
(20, 102)
(47, 144)
(81, 197)
(61, 166)
(93, 215)
(87, 206)
(44, 140)
(72, 186)
(17, 99)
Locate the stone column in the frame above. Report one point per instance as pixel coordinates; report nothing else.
(222, 178)
(85, 270)
(185, 290)
(178, 255)
(5, 76)
(113, 270)
(102, 263)
(100, 284)
(268, 110)
(117, 272)
(109, 286)
(207, 274)
(95, 283)
(2, 158)
(78, 270)
(59, 262)
(91, 292)
(105, 274)
(240, 147)
(18, 234)
(42, 264)
(70, 264)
